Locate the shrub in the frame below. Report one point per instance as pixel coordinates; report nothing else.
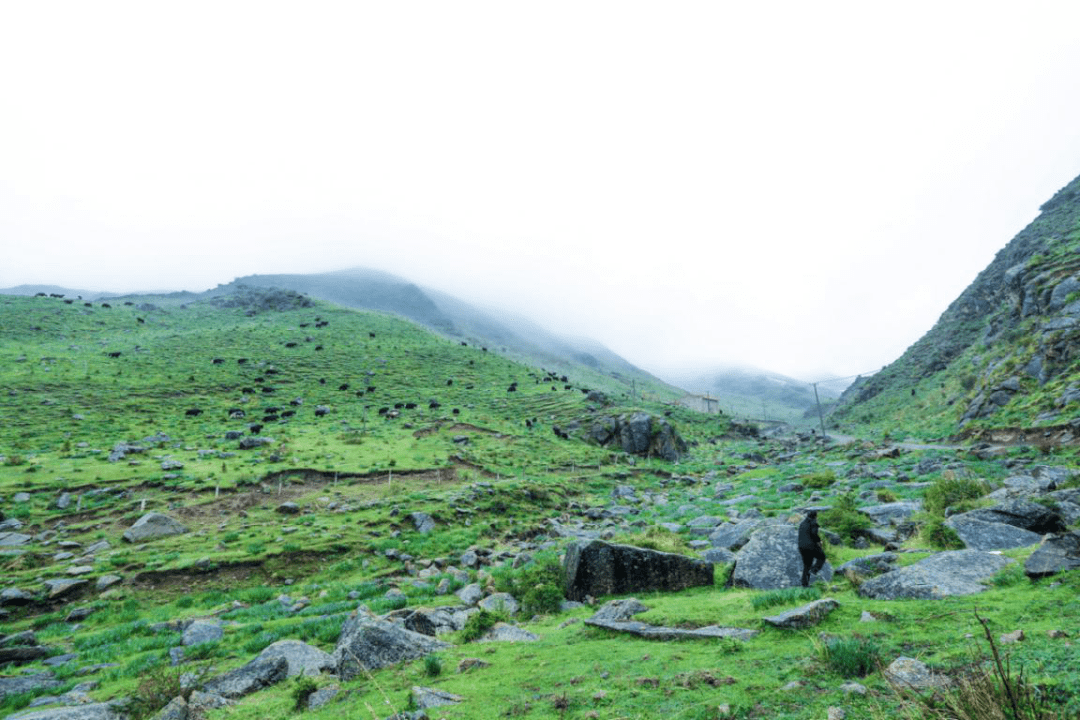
(478, 624)
(538, 585)
(844, 518)
(432, 665)
(949, 491)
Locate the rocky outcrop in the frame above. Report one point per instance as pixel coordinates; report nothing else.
(596, 568)
(638, 434)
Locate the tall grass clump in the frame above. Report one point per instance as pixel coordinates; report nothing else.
(851, 657)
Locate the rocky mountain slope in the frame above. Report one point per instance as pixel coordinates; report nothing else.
(1002, 361)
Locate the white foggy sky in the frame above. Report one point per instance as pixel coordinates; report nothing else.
(802, 187)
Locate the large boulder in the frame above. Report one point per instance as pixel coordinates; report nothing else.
(770, 560)
(1056, 554)
(368, 643)
(957, 572)
(981, 535)
(153, 526)
(596, 568)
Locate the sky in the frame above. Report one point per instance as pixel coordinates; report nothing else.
(800, 187)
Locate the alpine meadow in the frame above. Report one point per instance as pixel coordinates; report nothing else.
(265, 501)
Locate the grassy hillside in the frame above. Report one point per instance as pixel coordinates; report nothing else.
(169, 375)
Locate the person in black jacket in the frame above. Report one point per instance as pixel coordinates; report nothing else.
(813, 555)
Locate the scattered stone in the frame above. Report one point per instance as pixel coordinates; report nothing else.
(1012, 638)
(323, 695)
(107, 581)
(835, 713)
(910, 673)
(254, 676)
(424, 698)
(423, 522)
(499, 602)
(619, 609)
(468, 664)
(504, 632)
(470, 594)
(63, 587)
(804, 616)
(300, 658)
(853, 688)
(19, 684)
(15, 597)
(288, 508)
(153, 526)
(200, 631)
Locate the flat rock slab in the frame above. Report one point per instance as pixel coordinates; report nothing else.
(805, 616)
(659, 632)
(957, 572)
(981, 535)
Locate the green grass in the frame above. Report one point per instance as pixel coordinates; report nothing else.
(356, 476)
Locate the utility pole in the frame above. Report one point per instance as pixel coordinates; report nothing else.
(821, 418)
